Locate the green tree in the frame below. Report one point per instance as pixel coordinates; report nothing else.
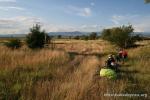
(59, 36)
(121, 36)
(14, 44)
(137, 37)
(84, 37)
(77, 37)
(93, 36)
(36, 38)
(70, 37)
(147, 1)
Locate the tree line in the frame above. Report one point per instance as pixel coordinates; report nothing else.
(122, 36)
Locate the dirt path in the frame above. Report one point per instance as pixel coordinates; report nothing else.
(83, 72)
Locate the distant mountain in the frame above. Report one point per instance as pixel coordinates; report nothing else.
(75, 33)
(145, 34)
(12, 35)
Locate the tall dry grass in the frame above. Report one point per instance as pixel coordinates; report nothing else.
(59, 75)
(26, 57)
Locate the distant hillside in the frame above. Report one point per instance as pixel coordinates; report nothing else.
(12, 35)
(146, 34)
(75, 33)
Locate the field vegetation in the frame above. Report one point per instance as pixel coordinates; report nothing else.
(71, 72)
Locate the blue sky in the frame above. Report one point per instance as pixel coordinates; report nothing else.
(17, 16)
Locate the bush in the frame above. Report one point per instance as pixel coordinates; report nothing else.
(77, 37)
(13, 44)
(121, 36)
(84, 37)
(93, 36)
(59, 36)
(36, 38)
(147, 1)
(138, 37)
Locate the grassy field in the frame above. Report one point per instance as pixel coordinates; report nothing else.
(71, 72)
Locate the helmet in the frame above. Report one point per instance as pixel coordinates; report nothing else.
(110, 56)
(113, 64)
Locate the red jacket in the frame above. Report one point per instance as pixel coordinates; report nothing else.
(124, 53)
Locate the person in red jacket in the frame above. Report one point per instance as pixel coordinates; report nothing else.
(118, 56)
(124, 54)
(120, 53)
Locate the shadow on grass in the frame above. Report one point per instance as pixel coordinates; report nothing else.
(99, 55)
(135, 46)
(128, 71)
(127, 74)
(125, 66)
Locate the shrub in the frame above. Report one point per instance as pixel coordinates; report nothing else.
(70, 37)
(138, 37)
(36, 38)
(59, 36)
(77, 37)
(147, 1)
(93, 36)
(13, 44)
(84, 37)
(121, 36)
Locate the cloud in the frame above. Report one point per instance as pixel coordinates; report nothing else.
(117, 18)
(91, 28)
(141, 23)
(59, 28)
(12, 8)
(69, 28)
(79, 11)
(121, 19)
(20, 24)
(8, 1)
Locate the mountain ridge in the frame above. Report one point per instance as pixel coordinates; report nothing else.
(74, 33)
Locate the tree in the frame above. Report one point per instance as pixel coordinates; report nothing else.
(59, 36)
(36, 38)
(48, 39)
(121, 36)
(147, 1)
(84, 37)
(70, 37)
(14, 44)
(93, 36)
(77, 37)
(137, 37)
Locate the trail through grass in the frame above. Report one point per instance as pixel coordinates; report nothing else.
(71, 73)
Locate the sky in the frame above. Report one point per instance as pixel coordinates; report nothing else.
(17, 16)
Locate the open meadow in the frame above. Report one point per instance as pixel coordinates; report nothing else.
(74, 49)
(71, 72)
